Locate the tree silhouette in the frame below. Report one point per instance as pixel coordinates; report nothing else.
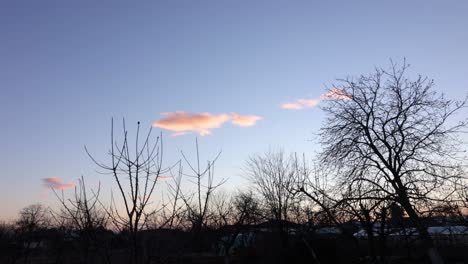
(273, 175)
(136, 170)
(32, 219)
(399, 136)
(198, 202)
(83, 214)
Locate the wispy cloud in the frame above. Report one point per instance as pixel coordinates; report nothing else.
(302, 103)
(56, 183)
(182, 123)
(292, 106)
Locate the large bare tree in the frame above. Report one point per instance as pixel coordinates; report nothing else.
(398, 135)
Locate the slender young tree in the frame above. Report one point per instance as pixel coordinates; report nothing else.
(198, 202)
(136, 170)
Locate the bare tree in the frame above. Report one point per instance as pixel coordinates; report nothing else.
(274, 176)
(363, 202)
(136, 170)
(198, 202)
(398, 135)
(238, 209)
(325, 198)
(172, 212)
(232, 217)
(222, 210)
(32, 218)
(247, 208)
(85, 216)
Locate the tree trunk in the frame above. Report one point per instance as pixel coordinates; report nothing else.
(370, 239)
(427, 240)
(383, 235)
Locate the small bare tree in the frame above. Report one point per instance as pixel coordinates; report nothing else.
(198, 202)
(32, 218)
(172, 212)
(232, 217)
(85, 216)
(274, 176)
(136, 170)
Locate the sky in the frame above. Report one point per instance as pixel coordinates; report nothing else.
(241, 76)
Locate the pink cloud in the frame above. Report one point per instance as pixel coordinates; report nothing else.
(182, 123)
(292, 106)
(333, 94)
(300, 104)
(176, 134)
(244, 121)
(309, 102)
(56, 183)
(164, 178)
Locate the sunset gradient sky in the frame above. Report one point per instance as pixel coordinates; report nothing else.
(242, 76)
